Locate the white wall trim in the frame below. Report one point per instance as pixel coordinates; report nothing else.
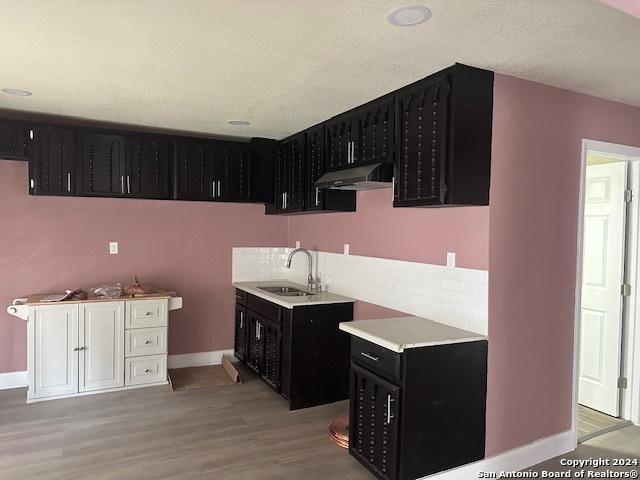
(199, 359)
(517, 459)
(13, 380)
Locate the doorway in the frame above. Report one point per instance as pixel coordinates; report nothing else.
(606, 289)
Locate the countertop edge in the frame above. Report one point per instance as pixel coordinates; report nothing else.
(283, 303)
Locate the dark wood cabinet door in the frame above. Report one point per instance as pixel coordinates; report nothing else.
(194, 170)
(241, 333)
(373, 422)
(232, 172)
(375, 133)
(148, 167)
(281, 177)
(14, 139)
(314, 197)
(101, 165)
(255, 343)
(272, 340)
(51, 164)
(340, 138)
(290, 174)
(422, 137)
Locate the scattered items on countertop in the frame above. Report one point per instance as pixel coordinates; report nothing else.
(136, 288)
(113, 290)
(68, 295)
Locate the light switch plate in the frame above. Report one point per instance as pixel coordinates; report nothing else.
(346, 249)
(451, 259)
(113, 248)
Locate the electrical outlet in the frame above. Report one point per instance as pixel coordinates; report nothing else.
(113, 248)
(451, 259)
(346, 249)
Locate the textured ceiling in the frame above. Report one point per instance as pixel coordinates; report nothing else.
(284, 65)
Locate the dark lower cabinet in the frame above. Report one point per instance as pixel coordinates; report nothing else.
(298, 352)
(419, 412)
(147, 167)
(100, 165)
(241, 333)
(51, 165)
(14, 140)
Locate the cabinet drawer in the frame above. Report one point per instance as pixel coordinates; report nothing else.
(145, 341)
(269, 310)
(146, 313)
(150, 369)
(376, 358)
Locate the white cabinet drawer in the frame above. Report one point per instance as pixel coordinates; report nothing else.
(146, 313)
(150, 369)
(145, 341)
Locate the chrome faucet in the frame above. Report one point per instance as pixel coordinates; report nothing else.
(311, 284)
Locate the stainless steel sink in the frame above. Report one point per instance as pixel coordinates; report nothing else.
(284, 291)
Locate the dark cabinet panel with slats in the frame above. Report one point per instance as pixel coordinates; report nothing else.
(100, 165)
(241, 333)
(194, 166)
(51, 163)
(14, 138)
(147, 168)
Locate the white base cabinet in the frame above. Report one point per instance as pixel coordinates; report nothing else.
(88, 347)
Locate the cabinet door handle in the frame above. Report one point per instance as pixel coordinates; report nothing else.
(219, 189)
(122, 184)
(241, 319)
(258, 331)
(147, 342)
(213, 189)
(69, 182)
(128, 185)
(75, 349)
(370, 356)
(389, 416)
(146, 370)
(317, 194)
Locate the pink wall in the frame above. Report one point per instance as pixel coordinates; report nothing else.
(50, 244)
(537, 134)
(417, 234)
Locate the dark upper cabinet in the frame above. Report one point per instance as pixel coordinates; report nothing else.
(340, 140)
(290, 174)
(147, 168)
(14, 140)
(443, 154)
(232, 171)
(262, 170)
(100, 162)
(194, 170)
(374, 132)
(51, 162)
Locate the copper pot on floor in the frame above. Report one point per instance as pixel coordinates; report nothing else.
(339, 431)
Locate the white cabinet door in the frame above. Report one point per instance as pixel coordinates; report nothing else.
(55, 362)
(101, 339)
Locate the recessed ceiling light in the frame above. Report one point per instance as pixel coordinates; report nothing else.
(239, 123)
(17, 92)
(409, 16)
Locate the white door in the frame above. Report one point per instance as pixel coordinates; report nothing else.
(101, 345)
(602, 278)
(55, 359)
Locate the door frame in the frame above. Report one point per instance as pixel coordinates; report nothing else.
(630, 367)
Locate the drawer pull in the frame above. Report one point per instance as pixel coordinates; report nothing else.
(146, 370)
(147, 342)
(148, 313)
(370, 356)
(389, 416)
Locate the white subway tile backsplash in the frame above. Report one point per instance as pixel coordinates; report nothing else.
(454, 296)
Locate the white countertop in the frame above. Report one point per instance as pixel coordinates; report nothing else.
(397, 334)
(321, 298)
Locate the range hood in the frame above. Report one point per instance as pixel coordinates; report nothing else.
(366, 177)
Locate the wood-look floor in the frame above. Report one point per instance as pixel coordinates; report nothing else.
(591, 421)
(226, 432)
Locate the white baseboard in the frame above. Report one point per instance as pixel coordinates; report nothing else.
(13, 380)
(199, 359)
(515, 460)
